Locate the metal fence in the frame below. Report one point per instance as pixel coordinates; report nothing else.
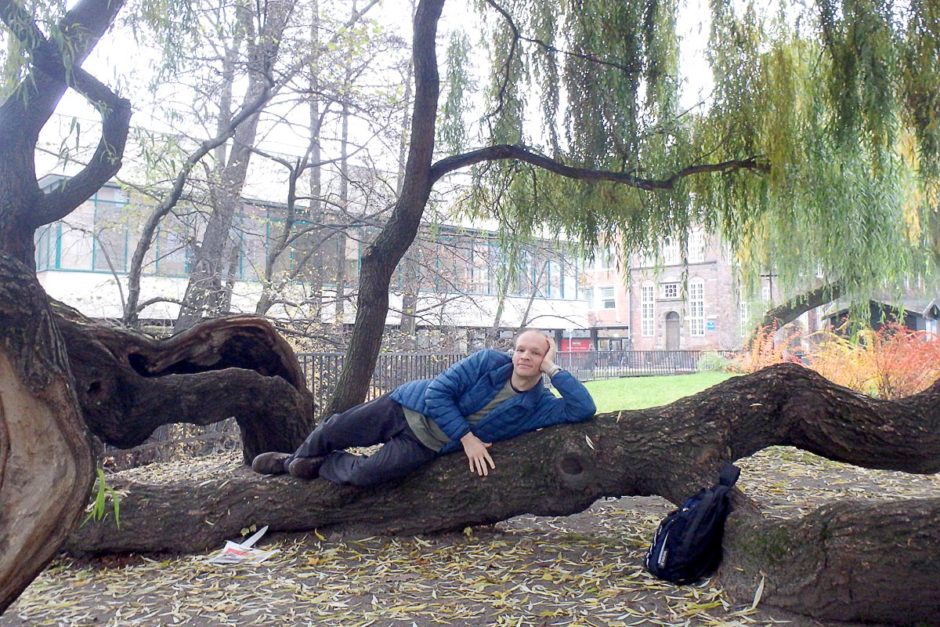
(321, 370)
(392, 369)
(592, 365)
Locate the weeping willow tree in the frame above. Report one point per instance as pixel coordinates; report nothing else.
(815, 151)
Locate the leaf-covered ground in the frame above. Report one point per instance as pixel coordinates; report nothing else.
(576, 570)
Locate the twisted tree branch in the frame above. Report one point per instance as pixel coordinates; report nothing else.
(522, 153)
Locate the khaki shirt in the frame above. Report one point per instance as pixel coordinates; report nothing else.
(431, 435)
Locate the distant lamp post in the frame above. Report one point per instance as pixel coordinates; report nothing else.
(569, 333)
(770, 284)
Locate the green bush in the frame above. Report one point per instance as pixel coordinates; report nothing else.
(713, 362)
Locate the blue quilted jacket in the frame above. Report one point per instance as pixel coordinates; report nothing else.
(467, 386)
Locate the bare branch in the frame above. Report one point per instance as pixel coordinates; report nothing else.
(521, 153)
(55, 67)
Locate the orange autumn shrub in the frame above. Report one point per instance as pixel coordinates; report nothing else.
(843, 361)
(763, 351)
(890, 363)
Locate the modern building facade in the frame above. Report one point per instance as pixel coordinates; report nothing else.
(455, 274)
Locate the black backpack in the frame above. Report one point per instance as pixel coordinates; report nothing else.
(687, 544)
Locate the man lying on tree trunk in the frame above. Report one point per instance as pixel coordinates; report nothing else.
(488, 396)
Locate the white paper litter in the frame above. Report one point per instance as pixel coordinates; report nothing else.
(244, 553)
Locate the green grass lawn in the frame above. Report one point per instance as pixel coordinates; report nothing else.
(640, 392)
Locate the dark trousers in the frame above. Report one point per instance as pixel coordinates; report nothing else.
(380, 421)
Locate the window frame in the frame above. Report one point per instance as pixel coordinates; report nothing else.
(696, 315)
(647, 309)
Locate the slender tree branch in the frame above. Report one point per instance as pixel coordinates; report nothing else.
(105, 163)
(512, 52)
(155, 300)
(554, 49)
(521, 153)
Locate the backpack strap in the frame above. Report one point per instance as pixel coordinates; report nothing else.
(729, 474)
(704, 508)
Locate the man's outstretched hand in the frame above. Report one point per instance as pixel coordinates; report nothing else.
(479, 457)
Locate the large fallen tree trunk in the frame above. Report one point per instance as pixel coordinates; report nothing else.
(670, 451)
(129, 384)
(46, 461)
(851, 560)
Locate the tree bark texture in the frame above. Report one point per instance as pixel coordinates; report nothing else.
(671, 451)
(129, 384)
(46, 461)
(851, 561)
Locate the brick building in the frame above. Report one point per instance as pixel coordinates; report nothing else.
(673, 300)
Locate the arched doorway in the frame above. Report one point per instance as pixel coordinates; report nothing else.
(672, 331)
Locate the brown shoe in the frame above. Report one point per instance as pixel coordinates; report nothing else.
(306, 467)
(270, 463)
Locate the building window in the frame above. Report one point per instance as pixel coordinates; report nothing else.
(588, 294)
(608, 301)
(671, 251)
(696, 246)
(605, 259)
(744, 315)
(46, 241)
(670, 290)
(646, 259)
(647, 310)
(697, 307)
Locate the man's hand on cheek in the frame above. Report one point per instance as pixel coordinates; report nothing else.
(548, 362)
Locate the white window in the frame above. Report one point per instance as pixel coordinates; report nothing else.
(670, 290)
(588, 293)
(697, 246)
(646, 259)
(605, 259)
(608, 301)
(647, 310)
(697, 307)
(765, 294)
(670, 251)
(744, 315)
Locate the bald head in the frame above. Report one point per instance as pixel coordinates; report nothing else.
(527, 357)
(533, 336)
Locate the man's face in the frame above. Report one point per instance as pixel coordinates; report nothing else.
(529, 352)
